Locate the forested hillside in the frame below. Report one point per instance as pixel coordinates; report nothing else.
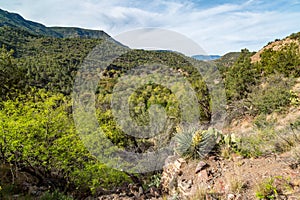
(38, 136)
(14, 20)
(41, 153)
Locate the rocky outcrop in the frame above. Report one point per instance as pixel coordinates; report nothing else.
(182, 179)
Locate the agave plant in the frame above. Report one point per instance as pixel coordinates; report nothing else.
(183, 140)
(208, 141)
(196, 143)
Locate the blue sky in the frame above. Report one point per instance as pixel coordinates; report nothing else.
(218, 26)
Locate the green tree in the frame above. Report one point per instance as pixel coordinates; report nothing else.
(10, 74)
(37, 136)
(241, 77)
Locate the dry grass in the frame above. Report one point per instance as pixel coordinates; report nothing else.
(295, 158)
(201, 194)
(235, 181)
(205, 194)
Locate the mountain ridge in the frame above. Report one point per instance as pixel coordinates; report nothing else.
(15, 20)
(206, 57)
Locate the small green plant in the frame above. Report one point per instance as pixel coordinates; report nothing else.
(294, 98)
(7, 190)
(237, 185)
(155, 180)
(56, 195)
(229, 144)
(267, 189)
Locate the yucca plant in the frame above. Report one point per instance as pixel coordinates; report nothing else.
(193, 142)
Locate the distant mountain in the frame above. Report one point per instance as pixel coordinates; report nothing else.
(71, 32)
(16, 21)
(206, 57)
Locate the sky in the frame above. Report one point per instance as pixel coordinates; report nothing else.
(217, 26)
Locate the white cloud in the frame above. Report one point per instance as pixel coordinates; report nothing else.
(216, 28)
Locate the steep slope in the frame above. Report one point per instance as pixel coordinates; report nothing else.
(261, 158)
(16, 21)
(276, 46)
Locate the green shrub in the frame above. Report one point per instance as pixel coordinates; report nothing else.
(37, 133)
(272, 95)
(240, 77)
(266, 189)
(273, 187)
(285, 61)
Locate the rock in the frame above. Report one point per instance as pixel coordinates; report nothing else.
(236, 157)
(202, 176)
(238, 197)
(170, 175)
(170, 160)
(185, 186)
(201, 165)
(230, 196)
(179, 163)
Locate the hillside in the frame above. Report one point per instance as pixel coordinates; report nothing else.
(43, 156)
(228, 59)
(16, 21)
(257, 156)
(37, 73)
(276, 46)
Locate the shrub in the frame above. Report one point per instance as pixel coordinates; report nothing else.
(273, 187)
(37, 135)
(240, 77)
(284, 60)
(272, 95)
(267, 189)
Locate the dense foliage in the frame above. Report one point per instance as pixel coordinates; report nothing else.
(261, 87)
(37, 132)
(38, 135)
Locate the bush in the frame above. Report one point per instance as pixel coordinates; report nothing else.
(240, 77)
(285, 61)
(267, 190)
(37, 135)
(273, 187)
(272, 95)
